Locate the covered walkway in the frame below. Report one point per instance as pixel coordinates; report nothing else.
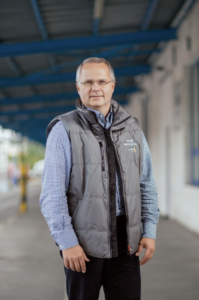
(31, 268)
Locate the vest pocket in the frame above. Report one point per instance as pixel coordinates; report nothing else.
(102, 155)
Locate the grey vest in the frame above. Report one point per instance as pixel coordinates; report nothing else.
(91, 192)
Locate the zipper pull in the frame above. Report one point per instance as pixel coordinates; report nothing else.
(129, 251)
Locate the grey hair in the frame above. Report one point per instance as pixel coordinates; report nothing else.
(94, 60)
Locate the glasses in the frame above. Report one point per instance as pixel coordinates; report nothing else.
(100, 82)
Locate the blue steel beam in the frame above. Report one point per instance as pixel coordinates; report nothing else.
(39, 19)
(127, 46)
(139, 52)
(32, 123)
(55, 97)
(112, 53)
(30, 131)
(38, 123)
(89, 42)
(38, 99)
(53, 78)
(149, 13)
(42, 27)
(105, 54)
(36, 113)
(46, 109)
(39, 114)
(7, 120)
(131, 52)
(37, 110)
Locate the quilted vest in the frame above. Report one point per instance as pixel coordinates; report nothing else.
(91, 194)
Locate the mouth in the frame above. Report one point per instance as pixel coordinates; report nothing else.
(96, 96)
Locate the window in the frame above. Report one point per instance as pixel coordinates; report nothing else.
(194, 124)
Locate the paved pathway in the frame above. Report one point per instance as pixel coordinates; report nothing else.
(30, 265)
(31, 269)
(173, 273)
(9, 204)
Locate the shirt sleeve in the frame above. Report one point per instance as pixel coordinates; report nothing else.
(55, 181)
(149, 195)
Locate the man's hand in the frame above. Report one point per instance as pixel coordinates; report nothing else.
(74, 259)
(149, 245)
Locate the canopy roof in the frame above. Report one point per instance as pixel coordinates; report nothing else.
(43, 41)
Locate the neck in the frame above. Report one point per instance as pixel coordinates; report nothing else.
(102, 110)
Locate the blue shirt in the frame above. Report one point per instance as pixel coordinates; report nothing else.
(55, 181)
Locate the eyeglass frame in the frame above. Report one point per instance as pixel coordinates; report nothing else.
(93, 81)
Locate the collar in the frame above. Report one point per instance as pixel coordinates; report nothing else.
(100, 116)
(119, 113)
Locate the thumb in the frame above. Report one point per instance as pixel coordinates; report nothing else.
(86, 258)
(139, 250)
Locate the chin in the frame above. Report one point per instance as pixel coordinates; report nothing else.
(97, 102)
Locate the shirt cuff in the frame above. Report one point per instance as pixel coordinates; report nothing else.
(149, 230)
(65, 239)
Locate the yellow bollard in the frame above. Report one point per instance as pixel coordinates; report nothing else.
(23, 184)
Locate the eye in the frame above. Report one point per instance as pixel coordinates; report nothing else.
(102, 82)
(88, 82)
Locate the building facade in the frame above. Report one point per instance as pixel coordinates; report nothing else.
(168, 109)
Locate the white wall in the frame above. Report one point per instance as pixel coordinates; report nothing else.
(167, 125)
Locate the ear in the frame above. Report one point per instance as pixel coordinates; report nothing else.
(113, 85)
(78, 89)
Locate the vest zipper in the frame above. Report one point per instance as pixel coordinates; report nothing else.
(128, 246)
(102, 156)
(103, 169)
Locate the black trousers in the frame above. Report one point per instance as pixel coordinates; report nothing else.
(119, 276)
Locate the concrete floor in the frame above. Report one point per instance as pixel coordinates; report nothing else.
(30, 265)
(173, 273)
(31, 268)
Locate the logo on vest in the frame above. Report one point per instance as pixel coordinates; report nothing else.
(132, 149)
(130, 143)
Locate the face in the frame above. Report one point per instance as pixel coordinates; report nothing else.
(96, 97)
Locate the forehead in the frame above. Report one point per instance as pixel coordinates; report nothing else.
(95, 70)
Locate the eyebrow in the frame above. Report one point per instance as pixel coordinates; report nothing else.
(97, 79)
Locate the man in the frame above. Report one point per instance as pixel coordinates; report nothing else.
(98, 189)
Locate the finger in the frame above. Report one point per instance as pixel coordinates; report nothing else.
(77, 265)
(83, 265)
(147, 256)
(86, 258)
(146, 260)
(139, 250)
(66, 263)
(72, 266)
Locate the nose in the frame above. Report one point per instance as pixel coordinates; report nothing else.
(95, 86)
